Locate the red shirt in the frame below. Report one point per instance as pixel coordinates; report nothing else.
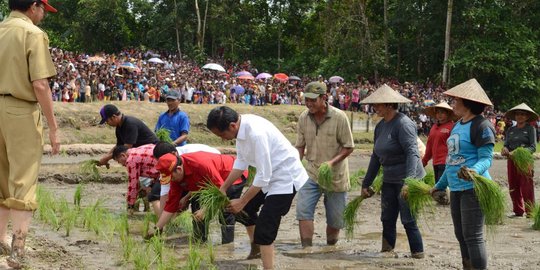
(200, 167)
(140, 162)
(436, 144)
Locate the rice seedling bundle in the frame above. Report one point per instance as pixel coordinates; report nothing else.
(349, 215)
(429, 178)
(184, 221)
(535, 215)
(355, 177)
(418, 196)
(90, 169)
(252, 171)
(376, 186)
(523, 159)
(325, 177)
(164, 135)
(492, 199)
(212, 201)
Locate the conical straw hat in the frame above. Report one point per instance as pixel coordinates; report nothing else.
(533, 116)
(431, 111)
(470, 90)
(385, 94)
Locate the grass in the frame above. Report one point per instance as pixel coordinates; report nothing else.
(77, 196)
(349, 215)
(429, 178)
(354, 179)
(252, 171)
(89, 168)
(523, 159)
(325, 177)
(212, 201)
(418, 197)
(492, 199)
(376, 186)
(184, 221)
(164, 135)
(535, 215)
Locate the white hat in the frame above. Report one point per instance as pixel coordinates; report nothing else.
(470, 90)
(385, 94)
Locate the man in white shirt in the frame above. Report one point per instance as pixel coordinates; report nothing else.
(279, 175)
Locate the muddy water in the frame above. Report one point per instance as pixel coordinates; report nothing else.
(513, 246)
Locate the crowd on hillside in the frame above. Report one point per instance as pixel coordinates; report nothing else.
(129, 76)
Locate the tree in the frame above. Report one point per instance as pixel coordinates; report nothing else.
(445, 77)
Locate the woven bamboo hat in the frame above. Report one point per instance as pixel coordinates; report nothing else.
(533, 116)
(385, 94)
(470, 90)
(432, 111)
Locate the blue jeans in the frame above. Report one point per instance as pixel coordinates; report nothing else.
(468, 221)
(334, 204)
(392, 205)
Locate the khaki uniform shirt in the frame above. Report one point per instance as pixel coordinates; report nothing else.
(24, 56)
(324, 142)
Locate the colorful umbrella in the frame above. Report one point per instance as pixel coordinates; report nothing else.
(263, 76)
(213, 66)
(242, 73)
(336, 79)
(238, 89)
(95, 58)
(156, 60)
(281, 76)
(128, 65)
(294, 78)
(246, 77)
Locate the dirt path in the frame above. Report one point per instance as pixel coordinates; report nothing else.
(513, 246)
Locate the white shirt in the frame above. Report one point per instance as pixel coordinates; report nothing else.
(196, 147)
(260, 144)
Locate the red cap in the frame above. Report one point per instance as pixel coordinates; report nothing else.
(48, 7)
(166, 164)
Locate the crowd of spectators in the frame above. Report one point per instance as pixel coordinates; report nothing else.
(129, 76)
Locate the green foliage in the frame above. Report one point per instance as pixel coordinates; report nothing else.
(523, 159)
(252, 171)
(212, 202)
(77, 196)
(429, 179)
(354, 179)
(349, 215)
(376, 186)
(89, 168)
(491, 198)
(164, 135)
(535, 215)
(325, 177)
(417, 194)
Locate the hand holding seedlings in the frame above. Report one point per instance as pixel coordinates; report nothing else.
(466, 173)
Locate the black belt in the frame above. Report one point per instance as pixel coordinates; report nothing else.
(5, 95)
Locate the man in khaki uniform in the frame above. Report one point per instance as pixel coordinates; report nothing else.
(24, 90)
(324, 136)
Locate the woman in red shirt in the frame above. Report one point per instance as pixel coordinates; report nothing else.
(436, 148)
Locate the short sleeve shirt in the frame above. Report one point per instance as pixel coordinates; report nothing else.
(24, 56)
(323, 142)
(134, 131)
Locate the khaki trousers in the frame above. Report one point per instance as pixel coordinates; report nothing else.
(21, 149)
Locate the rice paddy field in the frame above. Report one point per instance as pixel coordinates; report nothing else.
(83, 223)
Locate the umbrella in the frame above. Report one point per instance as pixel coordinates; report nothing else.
(281, 76)
(213, 66)
(336, 79)
(95, 58)
(263, 76)
(429, 102)
(128, 65)
(294, 78)
(246, 77)
(242, 73)
(156, 60)
(238, 89)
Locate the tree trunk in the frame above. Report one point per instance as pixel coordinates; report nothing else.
(176, 26)
(199, 33)
(445, 73)
(204, 22)
(386, 54)
(365, 21)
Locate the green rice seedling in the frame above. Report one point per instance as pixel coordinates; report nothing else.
(429, 178)
(492, 199)
(349, 215)
(252, 171)
(69, 219)
(325, 177)
(355, 177)
(183, 221)
(90, 169)
(127, 245)
(194, 258)
(535, 215)
(377, 183)
(77, 196)
(123, 225)
(157, 246)
(52, 218)
(211, 255)
(146, 224)
(164, 135)
(212, 201)
(523, 159)
(418, 196)
(142, 259)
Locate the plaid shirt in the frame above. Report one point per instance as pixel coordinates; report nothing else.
(140, 162)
